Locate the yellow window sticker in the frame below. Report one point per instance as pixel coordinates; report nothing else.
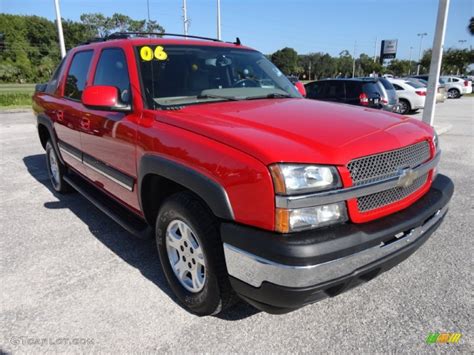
(160, 53)
(146, 53)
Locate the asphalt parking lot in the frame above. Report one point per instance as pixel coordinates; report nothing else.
(74, 281)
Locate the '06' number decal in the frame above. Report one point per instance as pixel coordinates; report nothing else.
(147, 54)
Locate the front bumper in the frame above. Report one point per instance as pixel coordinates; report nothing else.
(278, 273)
(392, 108)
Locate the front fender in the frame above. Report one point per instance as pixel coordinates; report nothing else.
(208, 190)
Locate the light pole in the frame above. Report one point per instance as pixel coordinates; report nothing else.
(185, 18)
(421, 35)
(219, 19)
(409, 61)
(59, 23)
(148, 9)
(435, 65)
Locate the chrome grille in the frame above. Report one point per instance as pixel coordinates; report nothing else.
(383, 198)
(388, 164)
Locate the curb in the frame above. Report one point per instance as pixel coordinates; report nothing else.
(443, 129)
(15, 110)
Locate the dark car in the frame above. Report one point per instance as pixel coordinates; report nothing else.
(368, 92)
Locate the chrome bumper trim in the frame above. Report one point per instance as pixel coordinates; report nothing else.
(254, 270)
(327, 197)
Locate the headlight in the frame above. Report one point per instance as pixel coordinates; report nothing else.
(292, 220)
(290, 179)
(436, 141)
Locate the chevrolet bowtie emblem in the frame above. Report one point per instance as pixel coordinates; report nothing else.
(407, 177)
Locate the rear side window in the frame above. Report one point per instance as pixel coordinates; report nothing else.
(371, 89)
(398, 87)
(77, 76)
(353, 89)
(112, 71)
(386, 84)
(53, 83)
(415, 84)
(334, 90)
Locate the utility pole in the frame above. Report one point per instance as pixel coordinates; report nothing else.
(421, 35)
(409, 61)
(219, 19)
(354, 60)
(375, 50)
(185, 18)
(59, 23)
(435, 65)
(148, 9)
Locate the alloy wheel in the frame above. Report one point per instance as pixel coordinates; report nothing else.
(54, 168)
(186, 256)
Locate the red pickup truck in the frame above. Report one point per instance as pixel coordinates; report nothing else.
(250, 190)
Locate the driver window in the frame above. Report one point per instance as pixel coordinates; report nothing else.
(112, 71)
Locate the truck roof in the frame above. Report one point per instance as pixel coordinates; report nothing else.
(143, 38)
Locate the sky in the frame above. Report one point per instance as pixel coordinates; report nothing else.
(268, 25)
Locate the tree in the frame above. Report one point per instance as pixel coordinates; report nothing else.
(102, 26)
(367, 65)
(471, 26)
(97, 24)
(456, 61)
(344, 64)
(286, 60)
(317, 65)
(399, 67)
(29, 49)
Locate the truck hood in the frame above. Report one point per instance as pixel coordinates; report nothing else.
(299, 130)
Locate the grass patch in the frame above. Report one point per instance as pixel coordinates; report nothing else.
(15, 99)
(16, 95)
(17, 88)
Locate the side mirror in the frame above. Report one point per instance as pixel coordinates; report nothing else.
(301, 89)
(106, 98)
(40, 87)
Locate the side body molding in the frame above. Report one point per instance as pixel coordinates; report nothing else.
(207, 189)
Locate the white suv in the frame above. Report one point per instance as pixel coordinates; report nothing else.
(411, 95)
(456, 87)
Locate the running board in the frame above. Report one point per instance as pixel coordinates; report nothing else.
(125, 218)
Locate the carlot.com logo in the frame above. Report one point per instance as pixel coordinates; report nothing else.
(443, 338)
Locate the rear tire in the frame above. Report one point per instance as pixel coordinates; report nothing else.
(192, 256)
(454, 94)
(405, 107)
(56, 170)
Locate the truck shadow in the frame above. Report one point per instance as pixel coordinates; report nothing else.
(141, 254)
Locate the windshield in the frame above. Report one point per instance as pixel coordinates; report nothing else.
(180, 75)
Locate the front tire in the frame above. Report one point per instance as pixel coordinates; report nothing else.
(56, 170)
(191, 255)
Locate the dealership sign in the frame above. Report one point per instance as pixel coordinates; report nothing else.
(388, 49)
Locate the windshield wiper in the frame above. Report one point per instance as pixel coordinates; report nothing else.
(210, 96)
(274, 95)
